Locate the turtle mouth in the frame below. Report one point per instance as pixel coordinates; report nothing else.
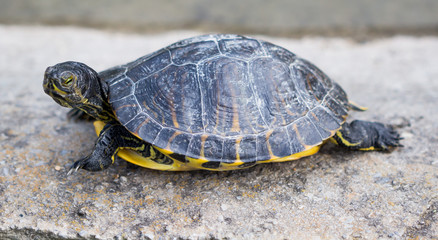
(56, 94)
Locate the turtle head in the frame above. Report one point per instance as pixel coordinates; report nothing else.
(70, 83)
(76, 85)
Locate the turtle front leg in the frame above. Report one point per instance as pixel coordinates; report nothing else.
(367, 136)
(112, 137)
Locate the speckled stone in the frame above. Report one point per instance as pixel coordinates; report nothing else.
(332, 195)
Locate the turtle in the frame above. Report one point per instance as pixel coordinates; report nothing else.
(212, 102)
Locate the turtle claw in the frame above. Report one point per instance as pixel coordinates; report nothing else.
(71, 170)
(92, 162)
(388, 137)
(77, 165)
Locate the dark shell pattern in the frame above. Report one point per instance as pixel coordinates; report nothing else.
(226, 97)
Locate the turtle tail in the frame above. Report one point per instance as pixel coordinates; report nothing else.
(355, 107)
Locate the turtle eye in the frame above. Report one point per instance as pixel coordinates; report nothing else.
(67, 79)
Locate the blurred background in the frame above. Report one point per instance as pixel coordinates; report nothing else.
(352, 18)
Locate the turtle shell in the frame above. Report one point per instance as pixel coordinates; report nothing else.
(225, 98)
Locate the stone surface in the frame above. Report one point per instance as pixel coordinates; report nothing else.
(332, 195)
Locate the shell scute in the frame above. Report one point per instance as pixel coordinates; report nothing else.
(179, 142)
(194, 52)
(241, 48)
(246, 148)
(172, 97)
(279, 53)
(148, 65)
(278, 142)
(306, 132)
(230, 105)
(126, 108)
(325, 123)
(120, 88)
(147, 129)
(280, 102)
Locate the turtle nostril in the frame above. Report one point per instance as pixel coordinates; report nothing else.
(48, 78)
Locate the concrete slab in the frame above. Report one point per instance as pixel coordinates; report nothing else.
(335, 194)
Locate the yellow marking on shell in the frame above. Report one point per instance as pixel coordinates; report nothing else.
(314, 115)
(175, 122)
(203, 138)
(196, 163)
(235, 127)
(218, 95)
(310, 88)
(176, 133)
(149, 109)
(238, 140)
(268, 134)
(139, 126)
(193, 163)
(309, 151)
(238, 162)
(277, 106)
(157, 107)
(288, 111)
(173, 113)
(294, 126)
(164, 151)
(125, 106)
(231, 166)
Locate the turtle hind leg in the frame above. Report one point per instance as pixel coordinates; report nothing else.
(367, 136)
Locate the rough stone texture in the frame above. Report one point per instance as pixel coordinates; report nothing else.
(335, 194)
